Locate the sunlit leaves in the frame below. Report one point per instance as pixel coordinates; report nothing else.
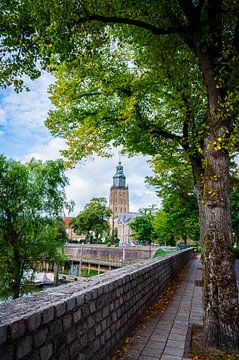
(32, 201)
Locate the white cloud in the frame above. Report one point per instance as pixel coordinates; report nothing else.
(48, 151)
(95, 178)
(25, 136)
(2, 117)
(29, 108)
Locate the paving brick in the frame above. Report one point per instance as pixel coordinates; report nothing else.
(176, 344)
(173, 351)
(154, 352)
(170, 357)
(156, 344)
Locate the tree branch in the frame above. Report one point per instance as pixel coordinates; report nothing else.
(166, 134)
(186, 123)
(200, 6)
(138, 23)
(188, 9)
(236, 35)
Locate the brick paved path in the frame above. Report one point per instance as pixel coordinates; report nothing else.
(165, 337)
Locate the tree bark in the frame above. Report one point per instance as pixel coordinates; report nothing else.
(198, 173)
(56, 273)
(220, 292)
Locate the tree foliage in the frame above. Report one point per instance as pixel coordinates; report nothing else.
(93, 220)
(142, 226)
(32, 199)
(179, 216)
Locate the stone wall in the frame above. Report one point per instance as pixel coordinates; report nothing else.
(84, 320)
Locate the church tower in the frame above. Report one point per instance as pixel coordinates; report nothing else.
(119, 194)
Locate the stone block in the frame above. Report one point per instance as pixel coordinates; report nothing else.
(96, 345)
(77, 316)
(18, 329)
(88, 297)
(70, 304)
(46, 352)
(34, 321)
(24, 347)
(92, 307)
(40, 337)
(7, 352)
(70, 335)
(85, 310)
(3, 334)
(35, 355)
(81, 356)
(90, 321)
(60, 309)
(97, 330)
(103, 325)
(94, 293)
(106, 289)
(63, 355)
(102, 340)
(47, 315)
(105, 312)
(55, 327)
(91, 335)
(74, 348)
(80, 299)
(67, 321)
(83, 341)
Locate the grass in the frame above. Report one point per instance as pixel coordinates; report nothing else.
(161, 253)
(87, 273)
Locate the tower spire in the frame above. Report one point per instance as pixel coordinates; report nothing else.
(119, 154)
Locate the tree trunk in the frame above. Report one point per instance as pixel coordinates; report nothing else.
(16, 279)
(221, 312)
(56, 274)
(220, 292)
(198, 173)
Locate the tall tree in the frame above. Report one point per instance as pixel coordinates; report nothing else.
(93, 220)
(177, 90)
(31, 204)
(142, 226)
(174, 185)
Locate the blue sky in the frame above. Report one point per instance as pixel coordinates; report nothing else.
(23, 136)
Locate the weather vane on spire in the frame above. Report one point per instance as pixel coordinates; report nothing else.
(119, 154)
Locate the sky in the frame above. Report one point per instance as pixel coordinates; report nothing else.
(23, 135)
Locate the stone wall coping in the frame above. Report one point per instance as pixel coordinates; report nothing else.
(23, 308)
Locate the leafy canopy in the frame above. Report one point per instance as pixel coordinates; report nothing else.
(93, 220)
(142, 226)
(174, 185)
(32, 200)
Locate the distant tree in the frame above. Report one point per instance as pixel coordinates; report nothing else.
(161, 228)
(32, 199)
(142, 226)
(174, 185)
(93, 220)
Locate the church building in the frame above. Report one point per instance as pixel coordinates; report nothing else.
(119, 204)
